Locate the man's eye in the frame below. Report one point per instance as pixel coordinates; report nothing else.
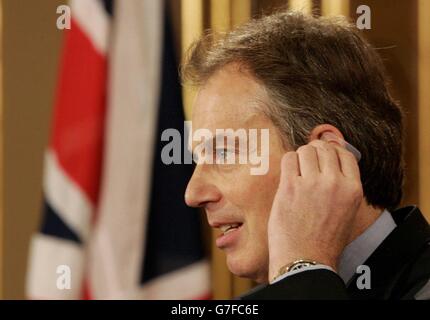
(222, 154)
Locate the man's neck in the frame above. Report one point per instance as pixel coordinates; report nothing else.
(366, 216)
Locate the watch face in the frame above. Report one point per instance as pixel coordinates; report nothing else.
(300, 265)
(297, 265)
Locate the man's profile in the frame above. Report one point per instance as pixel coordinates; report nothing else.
(307, 225)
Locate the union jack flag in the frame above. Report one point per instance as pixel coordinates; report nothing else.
(113, 212)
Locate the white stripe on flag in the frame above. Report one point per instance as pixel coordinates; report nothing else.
(47, 253)
(66, 198)
(135, 72)
(94, 21)
(190, 282)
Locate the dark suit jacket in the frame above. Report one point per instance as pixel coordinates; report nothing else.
(400, 268)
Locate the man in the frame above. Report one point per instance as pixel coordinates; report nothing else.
(318, 224)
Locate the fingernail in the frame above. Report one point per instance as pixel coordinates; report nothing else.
(331, 137)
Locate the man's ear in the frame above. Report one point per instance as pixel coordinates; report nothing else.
(330, 134)
(319, 131)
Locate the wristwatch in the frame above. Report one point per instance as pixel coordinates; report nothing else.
(296, 265)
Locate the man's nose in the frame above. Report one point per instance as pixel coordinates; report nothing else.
(199, 191)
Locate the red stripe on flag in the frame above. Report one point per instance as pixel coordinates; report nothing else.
(79, 112)
(86, 294)
(207, 296)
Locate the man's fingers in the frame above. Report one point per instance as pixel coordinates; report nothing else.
(334, 158)
(290, 166)
(308, 161)
(329, 161)
(348, 163)
(319, 157)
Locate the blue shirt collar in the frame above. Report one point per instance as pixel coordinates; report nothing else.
(359, 250)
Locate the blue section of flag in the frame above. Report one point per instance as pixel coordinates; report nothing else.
(53, 225)
(174, 238)
(109, 6)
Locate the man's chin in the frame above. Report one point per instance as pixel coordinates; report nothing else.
(245, 268)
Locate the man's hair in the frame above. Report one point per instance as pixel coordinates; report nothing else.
(316, 71)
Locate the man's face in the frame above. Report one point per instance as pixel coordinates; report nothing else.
(229, 194)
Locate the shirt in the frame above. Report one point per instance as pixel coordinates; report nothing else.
(358, 251)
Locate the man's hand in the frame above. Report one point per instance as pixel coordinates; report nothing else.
(315, 206)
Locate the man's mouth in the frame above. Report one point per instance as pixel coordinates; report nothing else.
(229, 227)
(230, 235)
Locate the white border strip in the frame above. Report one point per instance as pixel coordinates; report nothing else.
(46, 254)
(66, 197)
(94, 21)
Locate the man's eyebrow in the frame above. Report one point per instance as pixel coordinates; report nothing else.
(256, 112)
(237, 137)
